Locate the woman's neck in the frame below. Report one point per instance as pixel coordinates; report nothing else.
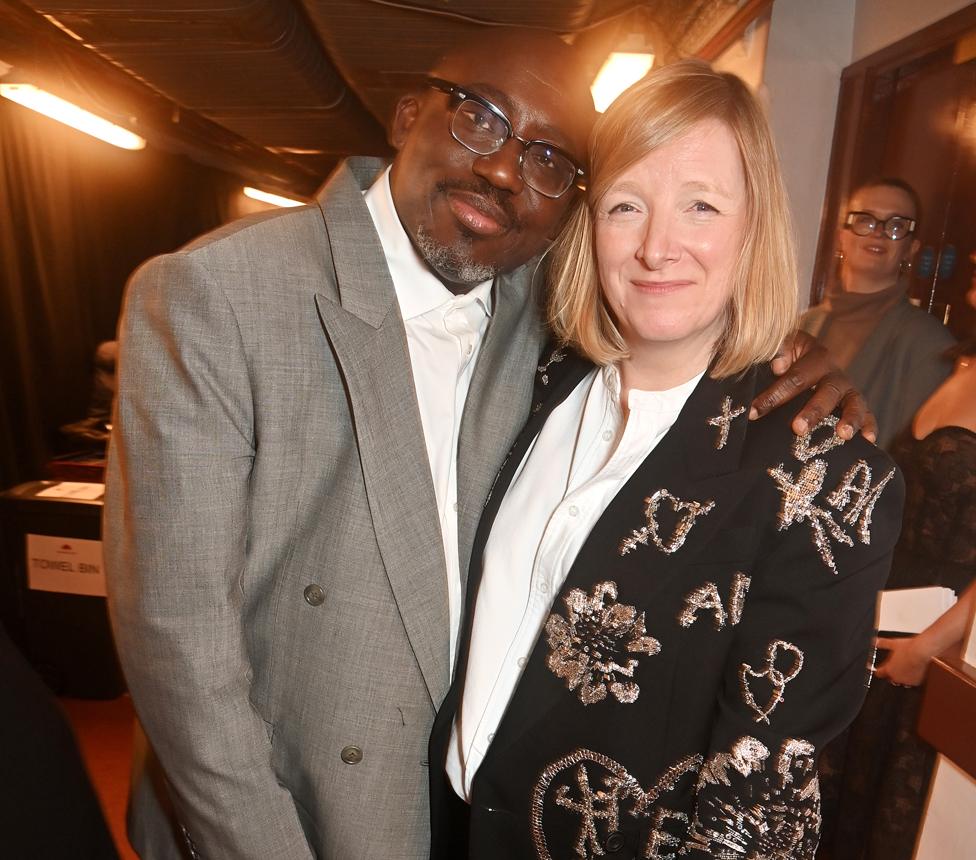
(664, 365)
(852, 282)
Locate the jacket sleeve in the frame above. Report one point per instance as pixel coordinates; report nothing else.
(175, 536)
(797, 670)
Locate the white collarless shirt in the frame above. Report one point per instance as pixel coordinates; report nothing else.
(444, 336)
(584, 454)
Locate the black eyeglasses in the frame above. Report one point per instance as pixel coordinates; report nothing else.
(483, 128)
(864, 224)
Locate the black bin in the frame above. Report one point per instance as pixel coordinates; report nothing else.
(53, 588)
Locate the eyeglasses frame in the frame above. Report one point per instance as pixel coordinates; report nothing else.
(462, 94)
(849, 222)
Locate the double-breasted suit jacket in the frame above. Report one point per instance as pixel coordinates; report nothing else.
(712, 634)
(276, 569)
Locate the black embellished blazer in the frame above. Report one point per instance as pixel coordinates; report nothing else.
(713, 633)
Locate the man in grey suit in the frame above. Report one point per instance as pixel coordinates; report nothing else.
(312, 407)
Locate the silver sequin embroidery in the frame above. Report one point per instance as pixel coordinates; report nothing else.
(724, 422)
(856, 487)
(798, 497)
(555, 357)
(688, 511)
(706, 597)
(599, 791)
(590, 648)
(771, 814)
(777, 677)
(803, 450)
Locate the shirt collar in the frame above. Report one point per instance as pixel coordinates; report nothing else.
(418, 290)
(670, 400)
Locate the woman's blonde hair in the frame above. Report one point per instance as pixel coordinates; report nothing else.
(659, 109)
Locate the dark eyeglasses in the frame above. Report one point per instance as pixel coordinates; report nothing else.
(864, 224)
(483, 128)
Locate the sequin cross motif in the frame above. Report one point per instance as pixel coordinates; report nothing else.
(724, 422)
(555, 357)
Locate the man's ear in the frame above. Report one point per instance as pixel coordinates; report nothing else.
(404, 115)
(916, 244)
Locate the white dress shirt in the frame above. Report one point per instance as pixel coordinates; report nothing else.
(444, 335)
(584, 454)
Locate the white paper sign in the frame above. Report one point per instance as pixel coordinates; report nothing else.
(73, 490)
(65, 564)
(911, 610)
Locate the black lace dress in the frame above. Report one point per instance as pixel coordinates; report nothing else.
(875, 776)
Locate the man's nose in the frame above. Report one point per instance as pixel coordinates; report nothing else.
(502, 168)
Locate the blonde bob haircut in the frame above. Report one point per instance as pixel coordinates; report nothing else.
(662, 107)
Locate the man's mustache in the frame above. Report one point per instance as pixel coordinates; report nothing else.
(501, 199)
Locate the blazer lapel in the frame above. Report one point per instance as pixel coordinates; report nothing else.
(364, 327)
(498, 399)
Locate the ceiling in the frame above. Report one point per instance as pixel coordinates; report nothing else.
(278, 90)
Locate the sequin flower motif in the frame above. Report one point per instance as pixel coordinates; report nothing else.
(590, 648)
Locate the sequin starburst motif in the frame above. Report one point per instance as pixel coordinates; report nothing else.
(591, 648)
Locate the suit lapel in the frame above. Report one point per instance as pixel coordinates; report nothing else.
(497, 401)
(364, 327)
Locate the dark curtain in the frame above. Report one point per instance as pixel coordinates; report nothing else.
(78, 216)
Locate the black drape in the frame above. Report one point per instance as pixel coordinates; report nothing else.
(78, 216)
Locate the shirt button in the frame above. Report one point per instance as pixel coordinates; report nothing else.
(573, 510)
(314, 595)
(470, 348)
(351, 755)
(607, 435)
(522, 661)
(544, 587)
(455, 506)
(491, 736)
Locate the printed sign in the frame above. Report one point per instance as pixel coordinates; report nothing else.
(66, 565)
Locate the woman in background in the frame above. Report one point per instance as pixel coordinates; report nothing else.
(891, 349)
(670, 607)
(876, 782)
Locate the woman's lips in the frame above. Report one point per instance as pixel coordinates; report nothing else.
(660, 288)
(479, 214)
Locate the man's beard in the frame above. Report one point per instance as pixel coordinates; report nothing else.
(453, 262)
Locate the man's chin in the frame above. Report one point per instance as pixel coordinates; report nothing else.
(453, 263)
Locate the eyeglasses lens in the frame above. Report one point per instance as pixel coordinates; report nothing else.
(478, 128)
(544, 168)
(894, 228)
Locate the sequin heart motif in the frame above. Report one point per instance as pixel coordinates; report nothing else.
(778, 678)
(687, 512)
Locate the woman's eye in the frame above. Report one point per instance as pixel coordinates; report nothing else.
(622, 208)
(702, 206)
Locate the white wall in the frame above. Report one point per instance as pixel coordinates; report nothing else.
(878, 23)
(809, 46)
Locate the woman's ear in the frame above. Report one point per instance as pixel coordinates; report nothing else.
(404, 116)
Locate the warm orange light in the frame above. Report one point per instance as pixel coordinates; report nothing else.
(56, 108)
(267, 197)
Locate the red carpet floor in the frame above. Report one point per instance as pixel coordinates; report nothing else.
(104, 732)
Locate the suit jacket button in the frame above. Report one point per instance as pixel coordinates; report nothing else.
(314, 595)
(351, 755)
(615, 841)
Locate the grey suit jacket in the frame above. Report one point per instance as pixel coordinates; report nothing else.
(276, 575)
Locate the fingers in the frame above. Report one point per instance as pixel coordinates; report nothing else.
(855, 415)
(809, 368)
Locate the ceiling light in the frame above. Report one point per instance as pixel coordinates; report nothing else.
(50, 105)
(618, 72)
(273, 199)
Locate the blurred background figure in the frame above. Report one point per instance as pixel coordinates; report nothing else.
(48, 809)
(875, 778)
(892, 350)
